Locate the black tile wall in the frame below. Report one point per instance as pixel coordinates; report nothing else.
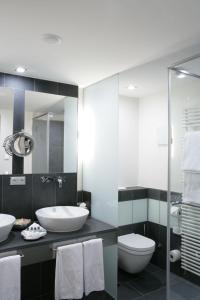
(19, 82)
(139, 228)
(132, 193)
(67, 89)
(69, 190)
(158, 233)
(1, 79)
(84, 196)
(33, 84)
(17, 200)
(45, 86)
(22, 201)
(135, 193)
(43, 195)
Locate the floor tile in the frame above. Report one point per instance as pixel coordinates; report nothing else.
(186, 291)
(153, 268)
(148, 282)
(127, 293)
(125, 277)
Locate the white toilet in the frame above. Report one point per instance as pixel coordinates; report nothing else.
(134, 252)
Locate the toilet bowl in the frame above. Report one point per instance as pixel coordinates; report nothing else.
(134, 252)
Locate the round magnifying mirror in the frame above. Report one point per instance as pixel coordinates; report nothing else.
(22, 144)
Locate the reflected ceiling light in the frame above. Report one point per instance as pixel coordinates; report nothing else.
(131, 87)
(182, 73)
(51, 115)
(51, 38)
(20, 69)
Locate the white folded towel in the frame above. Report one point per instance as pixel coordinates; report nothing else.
(191, 155)
(93, 266)
(191, 191)
(69, 272)
(10, 278)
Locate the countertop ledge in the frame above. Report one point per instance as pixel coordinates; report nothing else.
(91, 227)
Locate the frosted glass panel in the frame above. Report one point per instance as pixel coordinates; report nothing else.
(100, 155)
(139, 210)
(100, 162)
(125, 213)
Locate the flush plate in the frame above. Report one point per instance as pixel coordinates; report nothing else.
(19, 180)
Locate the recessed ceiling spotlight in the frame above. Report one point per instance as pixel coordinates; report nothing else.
(51, 38)
(20, 69)
(131, 87)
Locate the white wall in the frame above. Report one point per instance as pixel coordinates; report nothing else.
(142, 130)
(153, 162)
(128, 141)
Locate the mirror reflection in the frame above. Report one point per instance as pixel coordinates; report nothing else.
(6, 127)
(52, 122)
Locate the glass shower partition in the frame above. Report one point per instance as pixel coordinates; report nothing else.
(40, 132)
(184, 180)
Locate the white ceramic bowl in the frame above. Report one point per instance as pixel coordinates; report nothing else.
(6, 224)
(62, 218)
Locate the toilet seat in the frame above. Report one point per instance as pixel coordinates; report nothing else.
(136, 244)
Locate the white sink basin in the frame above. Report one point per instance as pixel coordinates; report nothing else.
(62, 218)
(6, 224)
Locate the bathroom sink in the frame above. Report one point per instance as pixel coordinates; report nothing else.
(62, 218)
(6, 224)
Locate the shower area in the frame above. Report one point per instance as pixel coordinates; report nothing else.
(48, 134)
(183, 236)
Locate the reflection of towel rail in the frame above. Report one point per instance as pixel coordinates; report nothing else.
(191, 118)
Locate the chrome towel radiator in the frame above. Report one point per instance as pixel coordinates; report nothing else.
(190, 237)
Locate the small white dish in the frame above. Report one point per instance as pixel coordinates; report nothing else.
(33, 232)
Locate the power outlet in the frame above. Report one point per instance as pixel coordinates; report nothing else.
(19, 180)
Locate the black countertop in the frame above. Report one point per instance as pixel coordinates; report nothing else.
(91, 227)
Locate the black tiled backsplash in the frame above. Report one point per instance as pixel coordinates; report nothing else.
(84, 196)
(132, 193)
(135, 193)
(24, 200)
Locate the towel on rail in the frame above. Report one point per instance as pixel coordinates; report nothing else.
(93, 266)
(10, 278)
(191, 151)
(191, 192)
(69, 272)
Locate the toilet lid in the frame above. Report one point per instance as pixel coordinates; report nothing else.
(136, 242)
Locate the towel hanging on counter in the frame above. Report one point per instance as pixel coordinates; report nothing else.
(10, 278)
(69, 272)
(93, 266)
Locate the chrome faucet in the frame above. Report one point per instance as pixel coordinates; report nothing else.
(59, 179)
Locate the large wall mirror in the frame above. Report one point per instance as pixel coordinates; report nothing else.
(52, 122)
(38, 126)
(6, 127)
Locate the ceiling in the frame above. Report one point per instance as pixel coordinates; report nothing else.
(152, 77)
(100, 37)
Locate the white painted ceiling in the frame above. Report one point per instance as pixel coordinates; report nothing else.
(152, 77)
(100, 37)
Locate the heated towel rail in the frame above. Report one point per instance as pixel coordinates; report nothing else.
(190, 238)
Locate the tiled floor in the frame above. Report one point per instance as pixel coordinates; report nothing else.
(150, 285)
